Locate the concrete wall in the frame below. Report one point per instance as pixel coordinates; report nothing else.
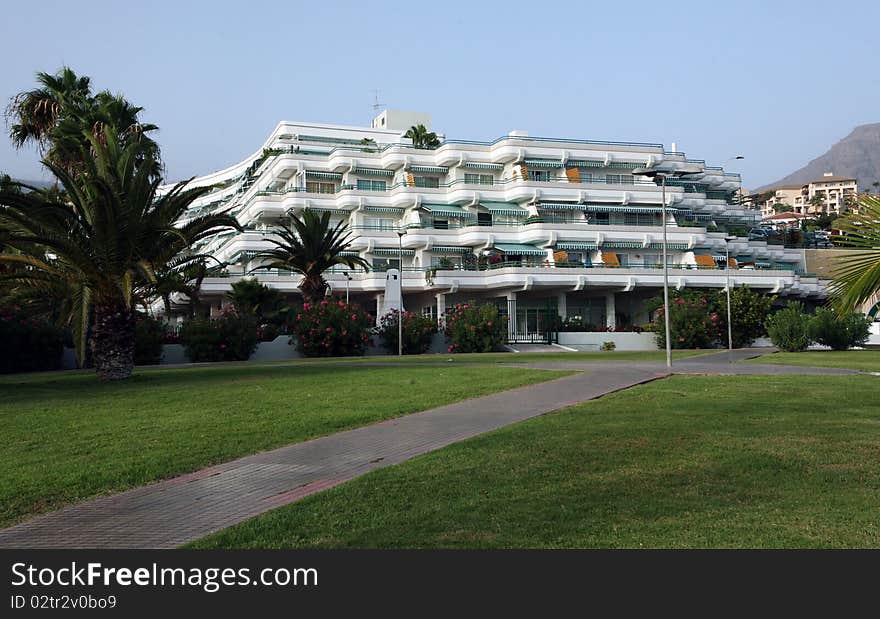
(589, 340)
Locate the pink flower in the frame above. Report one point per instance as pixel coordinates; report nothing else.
(489, 324)
(307, 306)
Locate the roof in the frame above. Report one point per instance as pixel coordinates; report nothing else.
(833, 179)
(784, 216)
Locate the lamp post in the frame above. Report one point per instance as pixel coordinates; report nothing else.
(727, 240)
(400, 234)
(347, 282)
(660, 178)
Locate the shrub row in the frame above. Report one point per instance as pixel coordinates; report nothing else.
(29, 344)
(792, 330)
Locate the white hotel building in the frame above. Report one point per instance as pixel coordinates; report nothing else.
(538, 225)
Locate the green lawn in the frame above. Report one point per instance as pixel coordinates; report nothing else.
(67, 437)
(689, 461)
(531, 357)
(866, 360)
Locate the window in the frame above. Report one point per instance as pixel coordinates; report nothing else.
(586, 175)
(369, 185)
(619, 179)
(624, 260)
(430, 311)
(441, 224)
(484, 219)
(316, 187)
(479, 179)
(426, 181)
(379, 223)
(539, 175)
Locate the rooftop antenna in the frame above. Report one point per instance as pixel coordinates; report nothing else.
(376, 105)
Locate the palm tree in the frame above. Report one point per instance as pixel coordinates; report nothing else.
(857, 278)
(54, 115)
(421, 137)
(104, 242)
(309, 246)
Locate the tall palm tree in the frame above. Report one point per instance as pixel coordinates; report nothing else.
(309, 246)
(54, 115)
(104, 242)
(421, 137)
(857, 278)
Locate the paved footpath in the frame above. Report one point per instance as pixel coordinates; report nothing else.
(170, 513)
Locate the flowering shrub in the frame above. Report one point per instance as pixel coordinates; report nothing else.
(472, 328)
(418, 331)
(29, 344)
(332, 329)
(231, 337)
(693, 322)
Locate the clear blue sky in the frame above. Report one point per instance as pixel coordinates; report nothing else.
(778, 81)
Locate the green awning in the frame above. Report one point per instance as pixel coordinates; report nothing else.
(432, 169)
(543, 163)
(560, 206)
(620, 208)
(679, 246)
(373, 172)
(332, 211)
(392, 251)
(476, 165)
(349, 254)
(384, 209)
(333, 176)
(447, 210)
(505, 208)
(584, 163)
(579, 245)
(519, 249)
(442, 249)
(621, 244)
(627, 164)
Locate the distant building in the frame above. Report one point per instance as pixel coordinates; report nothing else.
(785, 220)
(834, 192)
(785, 194)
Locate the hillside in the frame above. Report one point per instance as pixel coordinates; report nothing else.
(857, 155)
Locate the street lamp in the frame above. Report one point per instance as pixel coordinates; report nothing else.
(400, 234)
(727, 240)
(660, 178)
(347, 282)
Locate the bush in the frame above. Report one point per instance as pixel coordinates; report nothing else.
(789, 328)
(29, 344)
(608, 346)
(149, 334)
(231, 337)
(839, 333)
(249, 296)
(693, 323)
(472, 328)
(748, 312)
(332, 329)
(418, 331)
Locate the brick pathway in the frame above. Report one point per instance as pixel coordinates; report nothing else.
(170, 513)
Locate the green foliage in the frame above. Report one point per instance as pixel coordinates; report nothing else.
(149, 335)
(418, 331)
(474, 328)
(839, 333)
(250, 296)
(857, 276)
(332, 329)
(608, 346)
(748, 311)
(421, 137)
(694, 321)
(28, 344)
(789, 328)
(231, 337)
(309, 246)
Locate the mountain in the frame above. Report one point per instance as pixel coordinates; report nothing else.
(857, 155)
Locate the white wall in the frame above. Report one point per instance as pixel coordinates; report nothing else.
(589, 340)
